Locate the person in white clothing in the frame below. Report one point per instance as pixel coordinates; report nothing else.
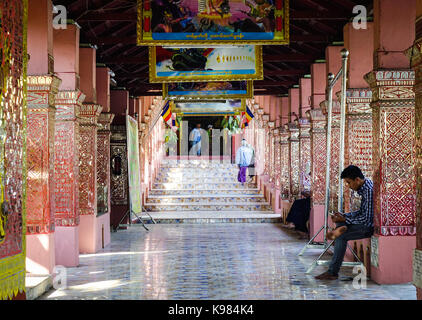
(195, 136)
(243, 159)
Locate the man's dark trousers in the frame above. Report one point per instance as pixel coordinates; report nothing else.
(354, 232)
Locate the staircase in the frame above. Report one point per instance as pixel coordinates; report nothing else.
(204, 191)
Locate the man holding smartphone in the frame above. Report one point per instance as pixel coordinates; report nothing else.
(353, 225)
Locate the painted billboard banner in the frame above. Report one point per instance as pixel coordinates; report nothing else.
(205, 64)
(217, 107)
(208, 90)
(211, 22)
(134, 168)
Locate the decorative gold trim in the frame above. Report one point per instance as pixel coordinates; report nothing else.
(12, 268)
(153, 78)
(248, 95)
(280, 38)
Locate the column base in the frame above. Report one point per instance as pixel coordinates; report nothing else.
(316, 221)
(94, 233)
(67, 246)
(40, 253)
(391, 259)
(284, 208)
(275, 197)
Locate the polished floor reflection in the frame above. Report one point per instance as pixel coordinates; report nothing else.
(210, 261)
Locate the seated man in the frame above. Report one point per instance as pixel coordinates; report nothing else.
(353, 225)
(299, 214)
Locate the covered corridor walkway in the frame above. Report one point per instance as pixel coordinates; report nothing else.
(98, 104)
(210, 261)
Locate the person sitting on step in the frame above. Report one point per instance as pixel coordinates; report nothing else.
(353, 225)
(299, 214)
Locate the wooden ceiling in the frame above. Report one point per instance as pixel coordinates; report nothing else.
(111, 26)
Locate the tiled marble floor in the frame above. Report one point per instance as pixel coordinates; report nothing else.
(209, 261)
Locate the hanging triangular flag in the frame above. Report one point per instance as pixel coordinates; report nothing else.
(166, 114)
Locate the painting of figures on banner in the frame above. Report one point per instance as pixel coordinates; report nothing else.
(189, 22)
(205, 64)
(218, 107)
(208, 90)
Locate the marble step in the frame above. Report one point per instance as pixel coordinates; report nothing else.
(199, 166)
(198, 171)
(207, 192)
(202, 217)
(206, 206)
(206, 198)
(184, 179)
(208, 186)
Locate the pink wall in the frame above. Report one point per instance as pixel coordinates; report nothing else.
(40, 36)
(293, 103)
(88, 73)
(66, 56)
(394, 32)
(360, 44)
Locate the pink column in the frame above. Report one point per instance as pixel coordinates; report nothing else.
(393, 105)
(318, 83)
(90, 234)
(305, 96)
(304, 134)
(41, 93)
(318, 141)
(284, 115)
(294, 104)
(103, 154)
(416, 58)
(103, 178)
(66, 162)
(42, 88)
(91, 229)
(358, 134)
(318, 144)
(333, 65)
(293, 129)
(119, 100)
(284, 171)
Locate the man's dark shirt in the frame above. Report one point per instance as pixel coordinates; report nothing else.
(365, 215)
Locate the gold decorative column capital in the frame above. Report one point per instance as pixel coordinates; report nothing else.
(104, 121)
(391, 85)
(89, 113)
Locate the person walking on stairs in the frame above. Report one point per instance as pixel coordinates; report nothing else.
(243, 159)
(195, 136)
